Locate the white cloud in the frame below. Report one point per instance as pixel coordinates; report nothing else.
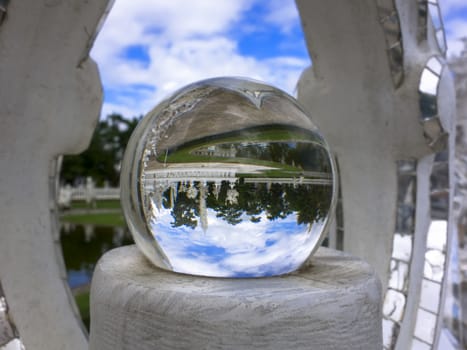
(455, 24)
(455, 30)
(185, 42)
(282, 13)
(243, 247)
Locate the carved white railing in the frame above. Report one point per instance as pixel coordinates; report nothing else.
(382, 94)
(50, 99)
(67, 194)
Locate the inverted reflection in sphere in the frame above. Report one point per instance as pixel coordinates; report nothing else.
(229, 178)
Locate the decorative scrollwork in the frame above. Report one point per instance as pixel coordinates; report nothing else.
(389, 19)
(395, 300)
(431, 9)
(434, 132)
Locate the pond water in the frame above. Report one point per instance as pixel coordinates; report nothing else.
(83, 245)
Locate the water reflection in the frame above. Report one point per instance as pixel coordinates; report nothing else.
(240, 208)
(83, 245)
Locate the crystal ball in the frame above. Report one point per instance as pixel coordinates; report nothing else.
(228, 177)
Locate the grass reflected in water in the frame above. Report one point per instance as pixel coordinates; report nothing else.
(86, 234)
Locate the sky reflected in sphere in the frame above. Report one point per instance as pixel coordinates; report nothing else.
(228, 178)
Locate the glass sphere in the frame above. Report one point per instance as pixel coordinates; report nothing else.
(228, 177)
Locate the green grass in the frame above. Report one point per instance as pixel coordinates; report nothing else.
(258, 134)
(102, 204)
(98, 219)
(82, 301)
(185, 155)
(274, 173)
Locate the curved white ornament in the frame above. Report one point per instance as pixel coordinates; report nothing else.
(383, 143)
(50, 99)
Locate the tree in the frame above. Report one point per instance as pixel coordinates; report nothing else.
(103, 158)
(185, 211)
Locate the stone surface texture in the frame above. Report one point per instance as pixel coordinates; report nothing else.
(331, 303)
(371, 124)
(50, 99)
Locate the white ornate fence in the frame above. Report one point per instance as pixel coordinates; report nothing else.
(67, 194)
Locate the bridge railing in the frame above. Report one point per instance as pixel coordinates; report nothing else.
(88, 193)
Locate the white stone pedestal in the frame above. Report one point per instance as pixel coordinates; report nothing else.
(332, 303)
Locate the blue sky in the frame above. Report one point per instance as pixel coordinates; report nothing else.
(267, 247)
(149, 48)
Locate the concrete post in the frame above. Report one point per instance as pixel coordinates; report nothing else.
(334, 302)
(50, 97)
(381, 92)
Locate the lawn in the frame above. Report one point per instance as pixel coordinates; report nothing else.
(187, 153)
(97, 219)
(101, 204)
(269, 133)
(101, 213)
(82, 301)
(184, 156)
(273, 133)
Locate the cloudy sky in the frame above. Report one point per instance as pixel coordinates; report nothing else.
(149, 48)
(271, 247)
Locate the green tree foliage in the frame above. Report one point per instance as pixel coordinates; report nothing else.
(185, 211)
(102, 159)
(311, 203)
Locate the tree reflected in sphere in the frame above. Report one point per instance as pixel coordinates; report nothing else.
(228, 178)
